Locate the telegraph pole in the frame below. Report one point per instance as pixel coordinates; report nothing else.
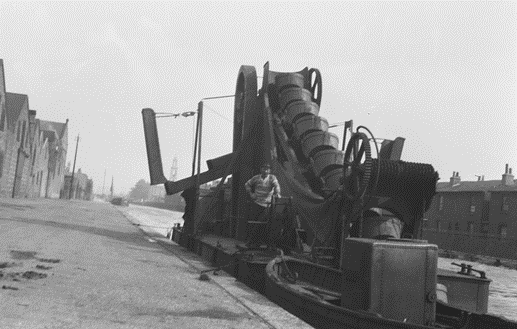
(73, 169)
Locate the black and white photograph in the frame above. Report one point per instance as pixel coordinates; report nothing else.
(258, 164)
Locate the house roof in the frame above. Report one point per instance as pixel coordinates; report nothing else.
(14, 104)
(475, 186)
(58, 127)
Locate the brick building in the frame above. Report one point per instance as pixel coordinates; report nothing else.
(477, 217)
(32, 151)
(16, 163)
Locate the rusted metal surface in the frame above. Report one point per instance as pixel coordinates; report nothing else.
(289, 80)
(327, 159)
(333, 179)
(293, 94)
(317, 141)
(307, 124)
(298, 109)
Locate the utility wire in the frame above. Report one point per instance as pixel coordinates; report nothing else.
(218, 114)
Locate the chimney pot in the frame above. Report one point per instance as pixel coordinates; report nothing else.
(506, 169)
(510, 171)
(453, 174)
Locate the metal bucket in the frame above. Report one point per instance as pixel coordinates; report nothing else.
(327, 160)
(309, 123)
(319, 140)
(287, 80)
(333, 179)
(297, 109)
(293, 94)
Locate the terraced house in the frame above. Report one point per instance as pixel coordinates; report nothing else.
(477, 217)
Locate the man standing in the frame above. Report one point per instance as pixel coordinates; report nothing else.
(261, 188)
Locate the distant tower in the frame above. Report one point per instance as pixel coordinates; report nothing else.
(174, 169)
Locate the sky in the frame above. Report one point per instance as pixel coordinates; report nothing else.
(440, 74)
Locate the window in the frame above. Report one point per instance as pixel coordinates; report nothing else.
(457, 226)
(470, 228)
(505, 205)
(472, 205)
(440, 205)
(485, 228)
(502, 230)
(438, 225)
(450, 226)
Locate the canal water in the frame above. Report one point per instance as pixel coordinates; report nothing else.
(503, 288)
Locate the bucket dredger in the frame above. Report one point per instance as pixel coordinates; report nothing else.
(348, 206)
(330, 189)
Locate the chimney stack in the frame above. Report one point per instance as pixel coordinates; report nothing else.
(455, 179)
(507, 179)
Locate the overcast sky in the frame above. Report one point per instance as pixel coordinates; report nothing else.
(440, 74)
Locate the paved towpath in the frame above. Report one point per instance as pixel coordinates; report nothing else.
(78, 264)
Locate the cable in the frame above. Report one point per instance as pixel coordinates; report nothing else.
(218, 114)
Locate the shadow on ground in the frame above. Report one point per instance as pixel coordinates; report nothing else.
(136, 238)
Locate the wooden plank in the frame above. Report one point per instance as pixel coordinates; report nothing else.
(220, 162)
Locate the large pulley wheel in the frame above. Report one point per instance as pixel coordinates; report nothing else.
(315, 86)
(245, 102)
(357, 166)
